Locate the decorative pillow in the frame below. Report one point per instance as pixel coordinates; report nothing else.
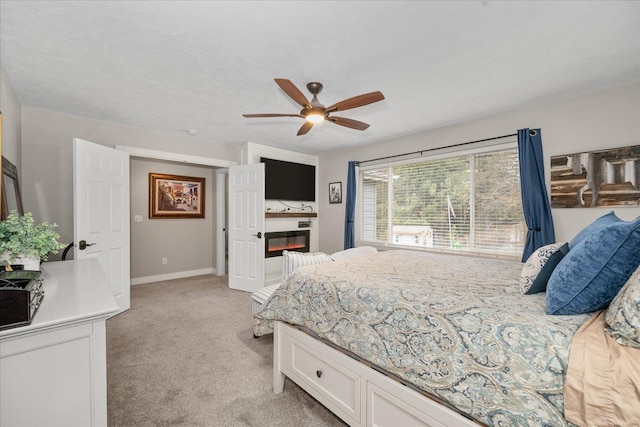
(540, 265)
(594, 270)
(623, 315)
(598, 224)
(294, 260)
(353, 253)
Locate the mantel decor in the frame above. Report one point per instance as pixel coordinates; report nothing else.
(176, 196)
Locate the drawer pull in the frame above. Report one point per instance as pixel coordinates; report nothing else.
(319, 374)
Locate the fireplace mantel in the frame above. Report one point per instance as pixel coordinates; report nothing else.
(290, 215)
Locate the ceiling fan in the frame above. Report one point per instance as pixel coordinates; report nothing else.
(314, 112)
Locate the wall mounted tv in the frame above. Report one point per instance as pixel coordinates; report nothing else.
(289, 181)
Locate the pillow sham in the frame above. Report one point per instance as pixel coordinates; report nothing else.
(595, 226)
(593, 272)
(540, 265)
(623, 315)
(293, 260)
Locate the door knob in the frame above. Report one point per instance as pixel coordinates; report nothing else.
(259, 235)
(82, 245)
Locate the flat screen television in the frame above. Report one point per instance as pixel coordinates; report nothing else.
(289, 181)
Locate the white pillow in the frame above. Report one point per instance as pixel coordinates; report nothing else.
(353, 253)
(293, 260)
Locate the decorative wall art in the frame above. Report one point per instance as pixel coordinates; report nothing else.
(597, 178)
(175, 196)
(11, 199)
(335, 192)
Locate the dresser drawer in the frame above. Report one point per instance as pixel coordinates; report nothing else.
(332, 384)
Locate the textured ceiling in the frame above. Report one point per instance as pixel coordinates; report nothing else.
(178, 65)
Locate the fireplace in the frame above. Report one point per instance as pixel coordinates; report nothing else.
(276, 242)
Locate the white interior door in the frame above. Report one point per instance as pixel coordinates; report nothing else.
(246, 226)
(221, 222)
(101, 212)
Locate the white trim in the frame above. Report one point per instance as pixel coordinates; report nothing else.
(220, 222)
(175, 157)
(172, 276)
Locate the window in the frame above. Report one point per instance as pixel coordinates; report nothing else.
(465, 203)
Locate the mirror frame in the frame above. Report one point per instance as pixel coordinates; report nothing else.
(9, 170)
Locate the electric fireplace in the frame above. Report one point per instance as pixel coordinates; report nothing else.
(276, 242)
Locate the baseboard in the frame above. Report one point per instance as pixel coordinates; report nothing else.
(172, 276)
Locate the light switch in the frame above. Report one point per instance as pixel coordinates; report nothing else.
(137, 218)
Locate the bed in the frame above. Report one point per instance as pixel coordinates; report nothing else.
(451, 340)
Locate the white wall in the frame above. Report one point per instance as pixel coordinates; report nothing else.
(11, 122)
(606, 119)
(47, 156)
(188, 244)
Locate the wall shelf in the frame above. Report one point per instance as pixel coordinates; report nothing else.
(290, 215)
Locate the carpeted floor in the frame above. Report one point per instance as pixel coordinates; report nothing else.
(184, 354)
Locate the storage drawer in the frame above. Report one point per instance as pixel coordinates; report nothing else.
(333, 385)
(385, 410)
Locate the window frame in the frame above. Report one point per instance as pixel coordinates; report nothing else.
(510, 143)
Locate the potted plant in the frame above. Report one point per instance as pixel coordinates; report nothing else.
(24, 242)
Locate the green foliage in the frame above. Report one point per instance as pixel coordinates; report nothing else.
(19, 235)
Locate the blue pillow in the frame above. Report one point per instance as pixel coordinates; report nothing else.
(593, 272)
(598, 224)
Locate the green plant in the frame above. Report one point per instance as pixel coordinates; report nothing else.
(19, 235)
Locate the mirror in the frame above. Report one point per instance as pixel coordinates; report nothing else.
(11, 199)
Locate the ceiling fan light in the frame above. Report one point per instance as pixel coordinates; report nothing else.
(315, 118)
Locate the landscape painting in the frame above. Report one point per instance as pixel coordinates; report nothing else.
(602, 178)
(175, 196)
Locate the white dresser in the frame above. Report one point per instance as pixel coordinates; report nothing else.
(54, 371)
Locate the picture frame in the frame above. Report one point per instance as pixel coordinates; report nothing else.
(11, 197)
(176, 196)
(335, 192)
(603, 178)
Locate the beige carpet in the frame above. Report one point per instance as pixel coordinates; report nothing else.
(184, 354)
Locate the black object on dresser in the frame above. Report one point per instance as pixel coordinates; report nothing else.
(21, 294)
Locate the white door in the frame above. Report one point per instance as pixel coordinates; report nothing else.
(221, 222)
(101, 212)
(246, 227)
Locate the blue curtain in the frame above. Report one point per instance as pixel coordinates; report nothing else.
(350, 212)
(535, 202)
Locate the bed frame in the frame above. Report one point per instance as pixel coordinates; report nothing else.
(356, 393)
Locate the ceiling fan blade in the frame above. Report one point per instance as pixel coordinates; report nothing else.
(251, 116)
(357, 101)
(306, 127)
(294, 93)
(350, 123)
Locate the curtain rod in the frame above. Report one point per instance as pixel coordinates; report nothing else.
(438, 148)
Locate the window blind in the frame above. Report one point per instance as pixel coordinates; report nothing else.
(463, 202)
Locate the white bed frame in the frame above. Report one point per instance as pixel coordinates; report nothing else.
(356, 393)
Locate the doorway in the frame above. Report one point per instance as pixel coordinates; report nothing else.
(217, 216)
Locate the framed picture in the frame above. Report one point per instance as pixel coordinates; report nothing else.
(335, 192)
(11, 198)
(175, 196)
(603, 178)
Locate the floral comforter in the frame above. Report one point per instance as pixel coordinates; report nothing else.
(455, 327)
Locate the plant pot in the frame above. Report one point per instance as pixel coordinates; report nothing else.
(29, 262)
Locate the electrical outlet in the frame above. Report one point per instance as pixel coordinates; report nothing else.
(137, 218)
(164, 260)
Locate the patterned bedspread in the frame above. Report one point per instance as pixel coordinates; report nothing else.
(456, 327)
